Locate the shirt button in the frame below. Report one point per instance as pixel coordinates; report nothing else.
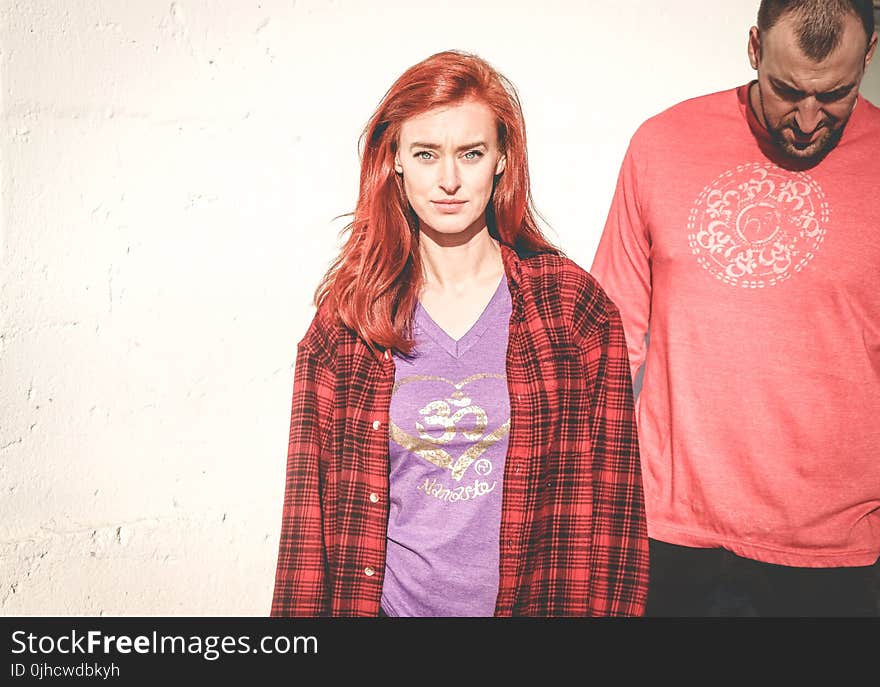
(374, 497)
(369, 572)
(376, 424)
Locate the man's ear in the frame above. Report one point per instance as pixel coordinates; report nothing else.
(871, 45)
(754, 47)
(397, 166)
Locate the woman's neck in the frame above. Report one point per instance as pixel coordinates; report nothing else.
(456, 264)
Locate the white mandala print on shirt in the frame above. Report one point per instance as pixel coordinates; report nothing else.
(758, 224)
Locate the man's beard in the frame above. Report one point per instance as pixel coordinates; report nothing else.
(815, 151)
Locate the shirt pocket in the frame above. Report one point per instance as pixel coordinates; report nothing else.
(559, 366)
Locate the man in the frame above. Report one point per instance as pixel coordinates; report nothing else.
(745, 235)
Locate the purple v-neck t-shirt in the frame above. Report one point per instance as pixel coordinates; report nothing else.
(450, 422)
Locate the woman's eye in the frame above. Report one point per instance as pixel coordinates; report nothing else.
(473, 155)
(423, 155)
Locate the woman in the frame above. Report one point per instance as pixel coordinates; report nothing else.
(462, 439)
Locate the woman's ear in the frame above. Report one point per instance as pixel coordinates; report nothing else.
(499, 166)
(397, 166)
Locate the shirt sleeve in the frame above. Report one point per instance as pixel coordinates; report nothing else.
(300, 577)
(619, 550)
(622, 264)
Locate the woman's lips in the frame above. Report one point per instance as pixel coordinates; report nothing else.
(448, 206)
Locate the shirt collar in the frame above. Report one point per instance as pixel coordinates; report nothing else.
(512, 271)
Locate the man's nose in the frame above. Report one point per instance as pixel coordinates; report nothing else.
(809, 115)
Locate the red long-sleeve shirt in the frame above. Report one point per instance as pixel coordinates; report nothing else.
(758, 280)
(573, 534)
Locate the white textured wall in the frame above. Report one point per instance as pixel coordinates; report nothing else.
(169, 179)
(871, 83)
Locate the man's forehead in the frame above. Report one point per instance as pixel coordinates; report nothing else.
(783, 59)
(811, 81)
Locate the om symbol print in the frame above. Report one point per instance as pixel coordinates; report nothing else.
(756, 225)
(448, 416)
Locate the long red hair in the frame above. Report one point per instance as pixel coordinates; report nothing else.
(374, 283)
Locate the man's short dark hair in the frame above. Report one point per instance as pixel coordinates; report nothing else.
(819, 22)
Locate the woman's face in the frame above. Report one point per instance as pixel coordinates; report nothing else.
(449, 157)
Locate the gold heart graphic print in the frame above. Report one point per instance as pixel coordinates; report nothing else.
(454, 413)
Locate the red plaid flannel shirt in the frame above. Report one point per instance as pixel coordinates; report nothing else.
(573, 536)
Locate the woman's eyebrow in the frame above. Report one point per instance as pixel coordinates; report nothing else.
(437, 146)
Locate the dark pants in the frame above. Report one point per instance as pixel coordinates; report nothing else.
(692, 582)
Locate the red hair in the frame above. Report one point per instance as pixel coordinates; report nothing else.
(374, 283)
